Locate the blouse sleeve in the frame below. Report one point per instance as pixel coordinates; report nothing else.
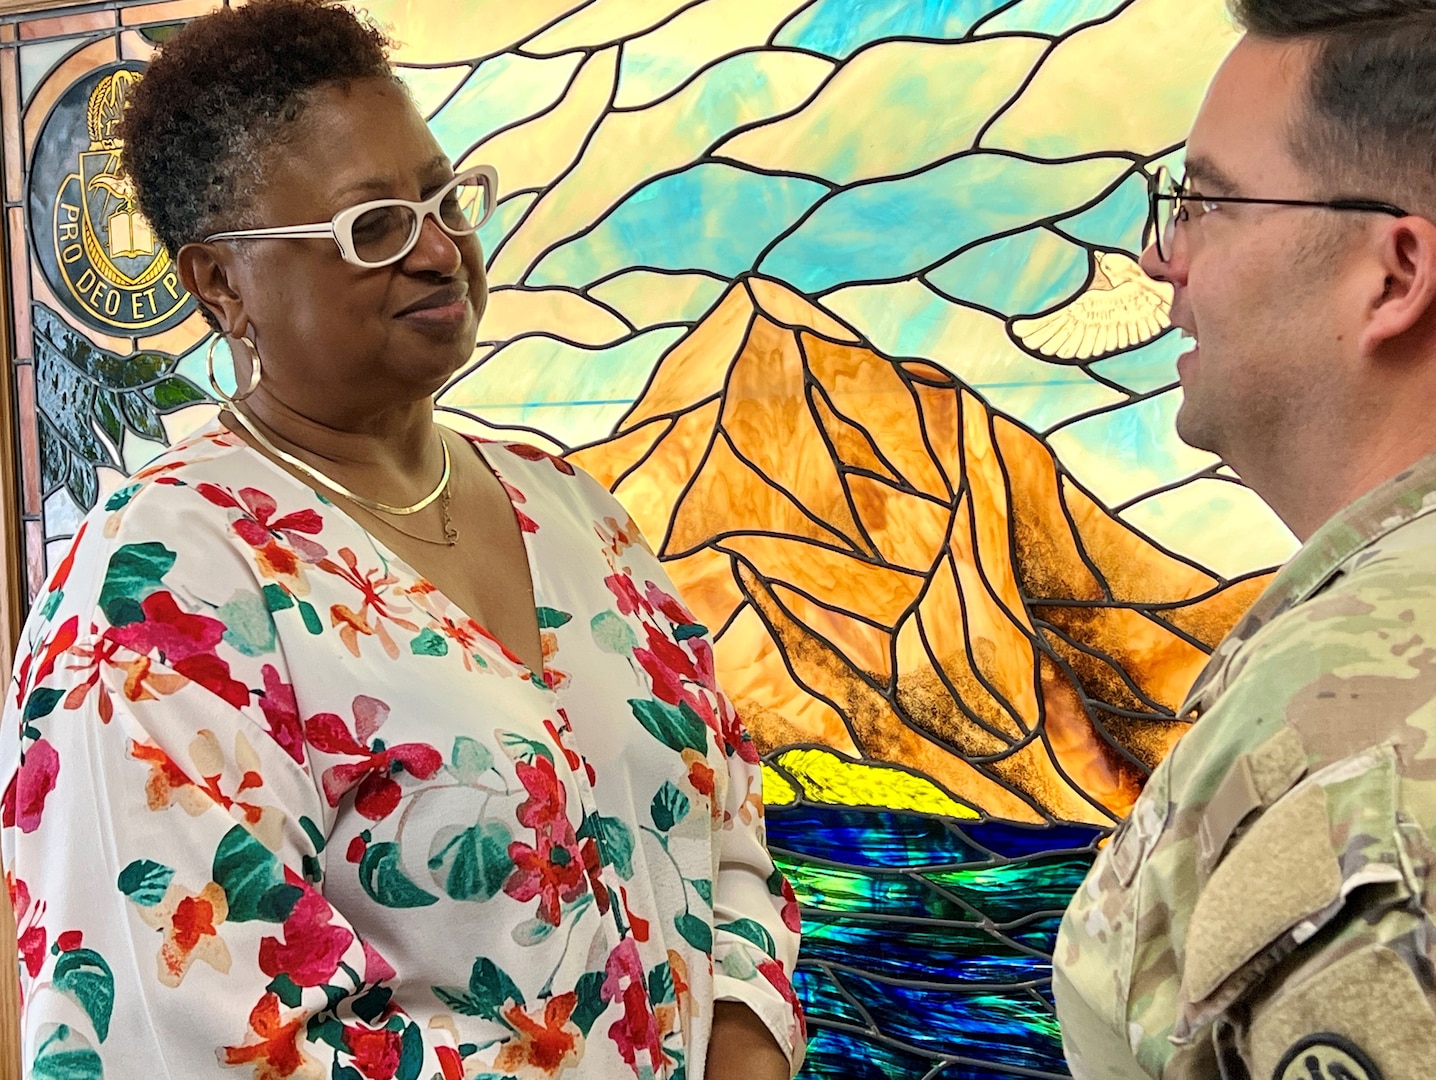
(163, 836)
(755, 914)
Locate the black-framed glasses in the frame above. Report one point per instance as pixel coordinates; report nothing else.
(1169, 202)
(383, 231)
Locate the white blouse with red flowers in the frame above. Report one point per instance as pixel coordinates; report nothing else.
(274, 807)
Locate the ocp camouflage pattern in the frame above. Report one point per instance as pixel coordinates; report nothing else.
(1267, 908)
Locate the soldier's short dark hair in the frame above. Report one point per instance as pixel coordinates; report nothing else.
(1369, 123)
(222, 93)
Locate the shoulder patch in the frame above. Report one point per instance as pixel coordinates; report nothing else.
(1326, 1056)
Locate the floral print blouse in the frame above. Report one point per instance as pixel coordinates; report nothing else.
(274, 808)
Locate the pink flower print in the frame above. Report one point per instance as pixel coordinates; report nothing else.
(376, 968)
(31, 786)
(553, 872)
(637, 1031)
(624, 967)
(190, 922)
(279, 546)
(518, 498)
(185, 642)
(572, 757)
(371, 588)
(533, 453)
(671, 606)
(281, 710)
(30, 937)
(554, 869)
(378, 793)
(630, 601)
(778, 979)
(312, 948)
(375, 1051)
(256, 528)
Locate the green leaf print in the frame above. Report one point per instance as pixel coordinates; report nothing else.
(660, 984)
(676, 728)
(411, 1053)
(531, 932)
(84, 975)
(52, 604)
(286, 990)
(311, 618)
(135, 571)
(429, 643)
(145, 882)
(695, 931)
(252, 879)
(249, 627)
(689, 630)
(490, 989)
(615, 841)
(551, 618)
(753, 931)
(590, 1004)
(703, 887)
(42, 702)
(612, 634)
(520, 748)
(469, 760)
(383, 878)
(277, 598)
(65, 1054)
(670, 806)
(472, 863)
(122, 497)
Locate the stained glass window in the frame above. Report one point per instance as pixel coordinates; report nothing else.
(840, 298)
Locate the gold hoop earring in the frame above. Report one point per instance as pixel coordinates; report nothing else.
(254, 367)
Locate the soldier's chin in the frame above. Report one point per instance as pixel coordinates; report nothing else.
(1191, 427)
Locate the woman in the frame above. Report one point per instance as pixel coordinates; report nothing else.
(341, 746)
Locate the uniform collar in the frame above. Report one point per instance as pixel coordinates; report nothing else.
(1405, 497)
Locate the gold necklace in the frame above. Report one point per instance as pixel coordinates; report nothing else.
(451, 533)
(334, 485)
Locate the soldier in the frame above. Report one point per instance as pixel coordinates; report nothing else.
(1267, 910)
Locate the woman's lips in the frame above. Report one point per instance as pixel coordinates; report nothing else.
(456, 311)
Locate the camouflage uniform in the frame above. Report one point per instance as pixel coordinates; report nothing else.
(1267, 909)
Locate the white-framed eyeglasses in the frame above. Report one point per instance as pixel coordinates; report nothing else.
(383, 231)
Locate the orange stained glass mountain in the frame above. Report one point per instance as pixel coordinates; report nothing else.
(900, 573)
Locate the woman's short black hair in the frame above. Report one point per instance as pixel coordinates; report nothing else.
(220, 93)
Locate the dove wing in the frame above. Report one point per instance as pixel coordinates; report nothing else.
(1098, 322)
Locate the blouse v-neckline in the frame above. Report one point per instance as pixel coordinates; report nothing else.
(540, 677)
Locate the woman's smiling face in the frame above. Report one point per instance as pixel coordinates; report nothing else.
(332, 334)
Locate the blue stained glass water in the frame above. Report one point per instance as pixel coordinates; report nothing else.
(1014, 1030)
(870, 838)
(711, 217)
(928, 953)
(855, 1057)
(1012, 890)
(822, 1000)
(1014, 841)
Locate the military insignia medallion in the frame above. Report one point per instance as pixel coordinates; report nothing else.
(1325, 1056)
(97, 252)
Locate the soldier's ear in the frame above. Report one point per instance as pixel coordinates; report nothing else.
(1405, 251)
(208, 274)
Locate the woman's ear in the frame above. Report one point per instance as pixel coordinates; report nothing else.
(207, 274)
